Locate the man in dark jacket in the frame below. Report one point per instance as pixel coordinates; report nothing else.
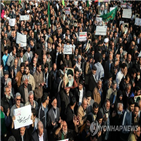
(24, 89)
(40, 134)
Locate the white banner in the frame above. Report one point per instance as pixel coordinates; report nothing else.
(82, 36)
(21, 39)
(67, 49)
(67, 10)
(24, 17)
(121, 22)
(138, 21)
(112, 8)
(12, 22)
(64, 140)
(127, 13)
(101, 30)
(22, 117)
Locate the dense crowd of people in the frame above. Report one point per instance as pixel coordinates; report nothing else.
(107, 72)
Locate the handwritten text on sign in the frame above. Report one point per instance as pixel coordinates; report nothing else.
(22, 117)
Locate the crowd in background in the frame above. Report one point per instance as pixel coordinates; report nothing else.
(107, 76)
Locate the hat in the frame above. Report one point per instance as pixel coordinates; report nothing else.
(18, 94)
(88, 94)
(94, 67)
(89, 118)
(106, 40)
(69, 72)
(6, 72)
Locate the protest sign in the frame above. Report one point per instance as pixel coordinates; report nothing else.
(82, 36)
(138, 21)
(24, 17)
(67, 49)
(99, 21)
(101, 30)
(64, 140)
(126, 5)
(12, 22)
(127, 13)
(125, 27)
(21, 39)
(67, 10)
(137, 98)
(22, 117)
(121, 22)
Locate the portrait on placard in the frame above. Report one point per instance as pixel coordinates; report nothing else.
(137, 98)
(69, 77)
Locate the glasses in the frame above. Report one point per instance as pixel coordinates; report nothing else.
(18, 99)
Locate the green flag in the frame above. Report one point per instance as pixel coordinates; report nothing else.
(109, 16)
(19, 1)
(63, 2)
(88, 3)
(48, 14)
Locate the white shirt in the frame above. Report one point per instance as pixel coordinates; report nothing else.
(119, 77)
(81, 96)
(41, 137)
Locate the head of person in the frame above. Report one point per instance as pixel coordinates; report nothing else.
(39, 68)
(9, 83)
(31, 97)
(7, 92)
(34, 61)
(14, 51)
(95, 108)
(73, 102)
(40, 128)
(80, 86)
(139, 103)
(99, 118)
(137, 90)
(77, 73)
(89, 121)
(89, 96)
(54, 67)
(54, 103)
(84, 103)
(25, 80)
(123, 67)
(16, 62)
(131, 104)
(99, 84)
(136, 110)
(65, 128)
(5, 50)
(137, 132)
(6, 75)
(22, 68)
(114, 85)
(45, 98)
(18, 99)
(107, 105)
(22, 131)
(119, 108)
(27, 70)
(46, 67)
(94, 69)
(67, 90)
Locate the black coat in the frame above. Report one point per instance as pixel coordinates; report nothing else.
(92, 83)
(35, 136)
(21, 91)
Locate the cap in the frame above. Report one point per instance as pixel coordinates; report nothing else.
(18, 94)
(94, 67)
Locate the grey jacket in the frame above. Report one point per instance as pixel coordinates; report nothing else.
(10, 61)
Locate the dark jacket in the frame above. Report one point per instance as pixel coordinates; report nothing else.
(21, 91)
(92, 83)
(35, 136)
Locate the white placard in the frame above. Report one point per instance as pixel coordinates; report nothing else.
(64, 140)
(138, 21)
(99, 21)
(24, 17)
(121, 22)
(12, 22)
(112, 8)
(22, 117)
(101, 30)
(127, 13)
(67, 49)
(21, 39)
(82, 36)
(67, 10)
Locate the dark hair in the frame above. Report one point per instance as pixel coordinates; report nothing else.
(72, 101)
(95, 105)
(44, 97)
(123, 65)
(34, 111)
(46, 65)
(99, 58)
(131, 101)
(22, 65)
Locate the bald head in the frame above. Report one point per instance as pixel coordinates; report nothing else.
(84, 103)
